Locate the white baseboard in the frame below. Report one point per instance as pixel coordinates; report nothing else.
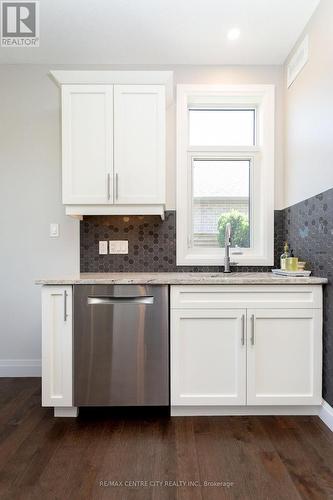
(323, 411)
(185, 411)
(20, 368)
(326, 415)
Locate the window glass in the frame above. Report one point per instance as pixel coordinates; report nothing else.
(222, 127)
(221, 194)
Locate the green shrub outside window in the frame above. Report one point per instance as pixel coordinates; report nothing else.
(239, 227)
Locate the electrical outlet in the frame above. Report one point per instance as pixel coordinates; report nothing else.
(118, 247)
(124, 247)
(103, 248)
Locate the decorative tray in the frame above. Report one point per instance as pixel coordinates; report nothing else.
(295, 274)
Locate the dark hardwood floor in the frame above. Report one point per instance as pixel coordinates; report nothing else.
(98, 454)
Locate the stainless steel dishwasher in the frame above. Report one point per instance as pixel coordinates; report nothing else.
(121, 345)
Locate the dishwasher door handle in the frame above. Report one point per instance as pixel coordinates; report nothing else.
(143, 299)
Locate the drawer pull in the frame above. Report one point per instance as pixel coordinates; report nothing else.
(65, 306)
(243, 329)
(108, 186)
(253, 329)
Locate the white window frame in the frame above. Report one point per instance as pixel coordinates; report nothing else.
(261, 156)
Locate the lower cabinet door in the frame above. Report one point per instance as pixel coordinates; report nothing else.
(284, 356)
(208, 357)
(57, 366)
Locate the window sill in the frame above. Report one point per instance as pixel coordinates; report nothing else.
(218, 260)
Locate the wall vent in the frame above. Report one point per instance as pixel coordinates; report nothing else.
(298, 61)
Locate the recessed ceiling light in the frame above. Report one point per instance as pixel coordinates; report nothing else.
(233, 34)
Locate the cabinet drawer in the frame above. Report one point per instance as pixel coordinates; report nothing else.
(240, 296)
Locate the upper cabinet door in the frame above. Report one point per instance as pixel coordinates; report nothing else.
(139, 144)
(284, 357)
(87, 144)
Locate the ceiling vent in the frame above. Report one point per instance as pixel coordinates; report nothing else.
(298, 61)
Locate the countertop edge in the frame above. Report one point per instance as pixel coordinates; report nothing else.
(199, 280)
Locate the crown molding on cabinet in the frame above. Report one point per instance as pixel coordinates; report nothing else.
(105, 77)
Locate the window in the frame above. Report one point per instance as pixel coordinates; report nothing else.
(225, 173)
(223, 127)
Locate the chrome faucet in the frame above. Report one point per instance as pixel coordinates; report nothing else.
(227, 245)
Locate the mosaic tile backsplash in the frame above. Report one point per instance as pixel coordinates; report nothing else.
(308, 226)
(151, 244)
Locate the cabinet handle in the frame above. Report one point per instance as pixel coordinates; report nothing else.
(65, 306)
(243, 329)
(117, 186)
(142, 299)
(252, 333)
(109, 191)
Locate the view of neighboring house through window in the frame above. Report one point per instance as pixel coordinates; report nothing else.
(221, 194)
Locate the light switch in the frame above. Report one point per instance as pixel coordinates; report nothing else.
(103, 248)
(118, 247)
(54, 230)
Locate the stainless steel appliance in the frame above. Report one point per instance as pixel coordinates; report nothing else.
(121, 345)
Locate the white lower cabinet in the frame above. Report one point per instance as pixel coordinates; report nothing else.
(57, 365)
(284, 357)
(274, 360)
(208, 357)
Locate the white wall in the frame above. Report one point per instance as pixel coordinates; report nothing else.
(30, 191)
(29, 201)
(309, 111)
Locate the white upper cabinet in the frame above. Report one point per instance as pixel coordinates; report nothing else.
(87, 144)
(113, 141)
(139, 144)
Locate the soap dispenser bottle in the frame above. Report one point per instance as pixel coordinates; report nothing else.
(291, 262)
(284, 256)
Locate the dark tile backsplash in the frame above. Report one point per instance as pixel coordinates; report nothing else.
(151, 244)
(308, 226)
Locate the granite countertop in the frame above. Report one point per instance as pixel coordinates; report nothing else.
(180, 279)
